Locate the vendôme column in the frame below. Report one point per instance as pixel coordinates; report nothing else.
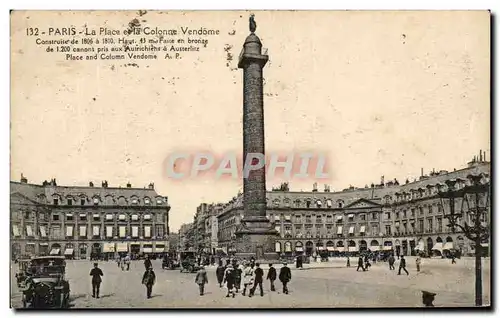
(255, 235)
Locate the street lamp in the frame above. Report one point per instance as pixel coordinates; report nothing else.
(475, 204)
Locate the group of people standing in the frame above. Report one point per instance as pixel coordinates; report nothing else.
(250, 275)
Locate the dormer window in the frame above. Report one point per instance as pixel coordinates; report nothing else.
(159, 201)
(318, 203)
(329, 203)
(146, 201)
(56, 201)
(96, 201)
(134, 201)
(70, 201)
(82, 201)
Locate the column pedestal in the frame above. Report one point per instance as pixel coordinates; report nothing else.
(256, 237)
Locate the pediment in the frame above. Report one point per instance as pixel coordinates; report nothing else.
(362, 204)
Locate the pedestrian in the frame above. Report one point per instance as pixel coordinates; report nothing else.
(259, 275)
(285, 277)
(229, 280)
(201, 279)
(149, 279)
(147, 263)
(271, 275)
(219, 272)
(391, 262)
(96, 274)
(417, 262)
(360, 264)
(122, 263)
(127, 262)
(348, 262)
(402, 265)
(237, 275)
(118, 260)
(453, 259)
(247, 277)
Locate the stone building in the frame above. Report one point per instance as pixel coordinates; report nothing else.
(82, 221)
(186, 237)
(403, 218)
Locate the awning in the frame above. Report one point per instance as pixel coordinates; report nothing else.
(68, 251)
(387, 248)
(121, 247)
(122, 231)
(438, 247)
(96, 216)
(43, 233)
(374, 248)
(340, 248)
(448, 246)
(350, 215)
(420, 246)
(147, 250)
(339, 217)
(83, 215)
(44, 244)
(299, 249)
(147, 231)
(339, 230)
(362, 229)
(108, 247)
(353, 249)
(109, 231)
(330, 248)
(135, 231)
(29, 230)
(69, 215)
(161, 248)
(288, 217)
(54, 251)
(277, 247)
(321, 248)
(351, 230)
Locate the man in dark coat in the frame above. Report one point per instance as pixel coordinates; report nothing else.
(149, 279)
(147, 263)
(259, 275)
(402, 265)
(201, 279)
(96, 274)
(237, 275)
(285, 277)
(271, 275)
(360, 264)
(219, 272)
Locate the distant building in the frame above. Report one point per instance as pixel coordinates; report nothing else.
(81, 222)
(403, 218)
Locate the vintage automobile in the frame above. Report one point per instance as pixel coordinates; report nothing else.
(188, 262)
(46, 285)
(169, 262)
(22, 272)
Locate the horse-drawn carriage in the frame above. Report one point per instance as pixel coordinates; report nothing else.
(45, 284)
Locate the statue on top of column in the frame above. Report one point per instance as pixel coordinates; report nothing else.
(253, 25)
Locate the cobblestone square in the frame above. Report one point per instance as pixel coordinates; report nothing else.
(325, 285)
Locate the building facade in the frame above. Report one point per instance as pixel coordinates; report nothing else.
(81, 222)
(404, 218)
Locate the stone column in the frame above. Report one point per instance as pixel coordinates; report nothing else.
(255, 236)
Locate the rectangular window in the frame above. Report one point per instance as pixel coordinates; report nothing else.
(56, 232)
(82, 201)
(318, 219)
(430, 225)
(121, 217)
(147, 216)
(421, 211)
(308, 219)
(109, 217)
(56, 201)
(96, 217)
(123, 232)
(83, 231)
(362, 217)
(404, 214)
(387, 215)
(43, 231)
(55, 217)
(439, 224)
(298, 219)
(147, 231)
(375, 231)
(27, 215)
(421, 226)
(135, 231)
(374, 216)
(69, 217)
(388, 230)
(350, 217)
(412, 213)
(159, 231)
(29, 230)
(159, 217)
(96, 231)
(69, 231)
(109, 231)
(70, 202)
(135, 217)
(83, 217)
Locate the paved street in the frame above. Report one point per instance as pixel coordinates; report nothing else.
(319, 285)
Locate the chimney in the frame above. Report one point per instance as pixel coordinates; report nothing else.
(23, 179)
(151, 185)
(421, 172)
(129, 185)
(105, 184)
(315, 187)
(480, 156)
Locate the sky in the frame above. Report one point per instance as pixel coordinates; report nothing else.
(377, 93)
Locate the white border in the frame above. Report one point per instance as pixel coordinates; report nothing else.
(190, 5)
